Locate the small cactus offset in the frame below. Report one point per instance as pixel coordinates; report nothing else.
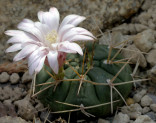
(94, 84)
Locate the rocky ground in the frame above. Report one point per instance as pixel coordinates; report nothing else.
(112, 22)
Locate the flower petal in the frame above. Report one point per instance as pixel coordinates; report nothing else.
(81, 38)
(72, 19)
(33, 66)
(50, 18)
(36, 54)
(63, 30)
(69, 47)
(53, 62)
(30, 28)
(40, 65)
(25, 52)
(44, 29)
(19, 36)
(76, 31)
(83, 31)
(14, 48)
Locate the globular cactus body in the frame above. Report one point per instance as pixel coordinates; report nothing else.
(89, 94)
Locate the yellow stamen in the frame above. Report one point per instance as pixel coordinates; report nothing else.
(52, 36)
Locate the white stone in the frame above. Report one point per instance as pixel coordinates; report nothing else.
(144, 119)
(153, 107)
(145, 40)
(146, 101)
(137, 97)
(4, 77)
(121, 118)
(14, 78)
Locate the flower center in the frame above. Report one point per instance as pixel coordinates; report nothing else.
(52, 36)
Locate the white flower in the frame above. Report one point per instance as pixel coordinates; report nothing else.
(45, 39)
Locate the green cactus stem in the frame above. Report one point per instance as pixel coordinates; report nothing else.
(93, 83)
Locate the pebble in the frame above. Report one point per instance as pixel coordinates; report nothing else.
(146, 101)
(26, 77)
(133, 111)
(153, 97)
(145, 110)
(151, 57)
(151, 115)
(153, 107)
(25, 109)
(136, 54)
(143, 119)
(9, 119)
(121, 118)
(145, 40)
(14, 78)
(137, 97)
(4, 77)
(129, 101)
(100, 120)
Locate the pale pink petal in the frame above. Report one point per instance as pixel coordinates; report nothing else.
(33, 66)
(76, 31)
(40, 65)
(44, 29)
(36, 54)
(27, 50)
(30, 28)
(19, 36)
(53, 62)
(63, 30)
(81, 38)
(82, 31)
(14, 32)
(14, 40)
(69, 35)
(72, 19)
(69, 47)
(50, 18)
(14, 48)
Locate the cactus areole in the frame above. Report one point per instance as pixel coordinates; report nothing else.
(92, 93)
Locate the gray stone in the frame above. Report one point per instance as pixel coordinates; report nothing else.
(146, 101)
(133, 111)
(137, 97)
(103, 121)
(145, 40)
(4, 77)
(26, 77)
(151, 115)
(135, 53)
(14, 78)
(153, 97)
(25, 109)
(153, 107)
(145, 110)
(144, 119)
(151, 57)
(9, 119)
(121, 118)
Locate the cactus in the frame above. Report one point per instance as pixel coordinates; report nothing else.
(94, 90)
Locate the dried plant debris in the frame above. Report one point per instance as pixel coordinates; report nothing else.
(14, 67)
